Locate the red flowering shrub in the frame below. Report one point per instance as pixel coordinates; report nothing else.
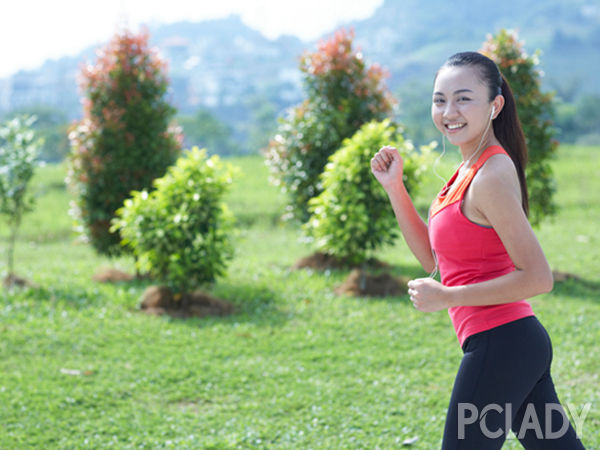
(125, 139)
(342, 94)
(535, 111)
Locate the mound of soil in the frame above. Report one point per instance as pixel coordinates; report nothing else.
(362, 284)
(324, 261)
(12, 280)
(564, 276)
(159, 300)
(112, 276)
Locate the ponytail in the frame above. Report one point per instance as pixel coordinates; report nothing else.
(509, 132)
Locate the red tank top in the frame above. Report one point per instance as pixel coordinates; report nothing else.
(469, 253)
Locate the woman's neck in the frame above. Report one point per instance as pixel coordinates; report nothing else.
(470, 153)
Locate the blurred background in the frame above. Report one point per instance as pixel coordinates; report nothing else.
(233, 65)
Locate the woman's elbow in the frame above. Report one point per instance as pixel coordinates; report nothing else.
(546, 281)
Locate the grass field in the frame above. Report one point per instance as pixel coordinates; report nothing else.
(295, 367)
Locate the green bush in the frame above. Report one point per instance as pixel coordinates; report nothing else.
(125, 139)
(353, 216)
(535, 111)
(181, 231)
(342, 94)
(19, 149)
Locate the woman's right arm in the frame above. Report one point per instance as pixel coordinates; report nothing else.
(387, 167)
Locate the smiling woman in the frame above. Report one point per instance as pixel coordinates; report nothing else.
(490, 263)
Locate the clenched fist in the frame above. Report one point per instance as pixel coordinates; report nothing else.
(387, 166)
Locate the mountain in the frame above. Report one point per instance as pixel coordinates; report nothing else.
(213, 64)
(226, 67)
(412, 39)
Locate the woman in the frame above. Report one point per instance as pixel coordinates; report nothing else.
(489, 260)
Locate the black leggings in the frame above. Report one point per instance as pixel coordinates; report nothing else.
(504, 382)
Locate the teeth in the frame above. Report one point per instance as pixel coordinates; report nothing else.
(455, 126)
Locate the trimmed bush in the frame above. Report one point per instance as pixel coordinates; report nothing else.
(125, 139)
(353, 216)
(535, 111)
(343, 93)
(181, 231)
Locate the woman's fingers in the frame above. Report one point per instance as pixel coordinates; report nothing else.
(378, 163)
(383, 158)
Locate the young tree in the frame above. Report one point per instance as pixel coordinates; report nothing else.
(352, 217)
(343, 93)
(18, 151)
(181, 231)
(535, 112)
(125, 139)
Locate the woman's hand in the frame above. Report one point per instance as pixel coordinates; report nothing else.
(387, 166)
(428, 295)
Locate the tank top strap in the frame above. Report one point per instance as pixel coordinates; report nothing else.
(454, 191)
(487, 154)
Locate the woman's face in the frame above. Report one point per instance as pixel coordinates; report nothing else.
(460, 108)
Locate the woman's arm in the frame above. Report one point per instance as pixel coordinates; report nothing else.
(496, 197)
(387, 166)
(413, 227)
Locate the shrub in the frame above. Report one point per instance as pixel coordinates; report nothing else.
(352, 216)
(19, 149)
(535, 111)
(181, 231)
(342, 94)
(124, 140)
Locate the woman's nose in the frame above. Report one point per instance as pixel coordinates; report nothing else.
(449, 110)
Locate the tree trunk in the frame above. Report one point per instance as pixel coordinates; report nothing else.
(14, 227)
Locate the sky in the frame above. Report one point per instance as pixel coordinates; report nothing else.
(32, 31)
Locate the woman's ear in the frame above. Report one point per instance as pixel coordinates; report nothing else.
(497, 105)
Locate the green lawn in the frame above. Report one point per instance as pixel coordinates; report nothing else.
(295, 367)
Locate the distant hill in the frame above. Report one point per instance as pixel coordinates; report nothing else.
(414, 39)
(226, 67)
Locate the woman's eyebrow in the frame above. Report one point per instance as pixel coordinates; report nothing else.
(459, 91)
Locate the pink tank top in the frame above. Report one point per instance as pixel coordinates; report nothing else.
(469, 253)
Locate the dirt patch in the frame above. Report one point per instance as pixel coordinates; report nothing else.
(559, 276)
(324, 261)
(111, 275)
(159, 300)
(360, 283)
(13, 280)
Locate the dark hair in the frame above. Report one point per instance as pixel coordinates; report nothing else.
(507, 127)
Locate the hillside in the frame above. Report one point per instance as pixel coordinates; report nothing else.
(228, 68)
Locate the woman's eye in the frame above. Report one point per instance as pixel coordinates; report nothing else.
(464, 99)
(438, 101)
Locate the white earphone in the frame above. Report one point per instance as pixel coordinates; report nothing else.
(493, 111)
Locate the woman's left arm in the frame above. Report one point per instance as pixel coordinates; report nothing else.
(494, 196)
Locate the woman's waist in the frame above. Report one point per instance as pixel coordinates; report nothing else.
(455, 275)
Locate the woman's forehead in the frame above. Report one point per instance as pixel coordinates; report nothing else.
(450, 79)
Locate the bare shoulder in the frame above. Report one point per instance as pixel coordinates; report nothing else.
(498, 176)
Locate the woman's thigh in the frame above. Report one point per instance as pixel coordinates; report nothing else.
(499, 369)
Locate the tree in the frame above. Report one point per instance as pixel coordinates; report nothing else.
(52, 126)
(535, 111)
(125, 139)
(204, 130)
(181, 231)
(352, 217)
(343, 93)
(18, 152)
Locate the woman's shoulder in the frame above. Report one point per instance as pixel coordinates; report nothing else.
(498, 174)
